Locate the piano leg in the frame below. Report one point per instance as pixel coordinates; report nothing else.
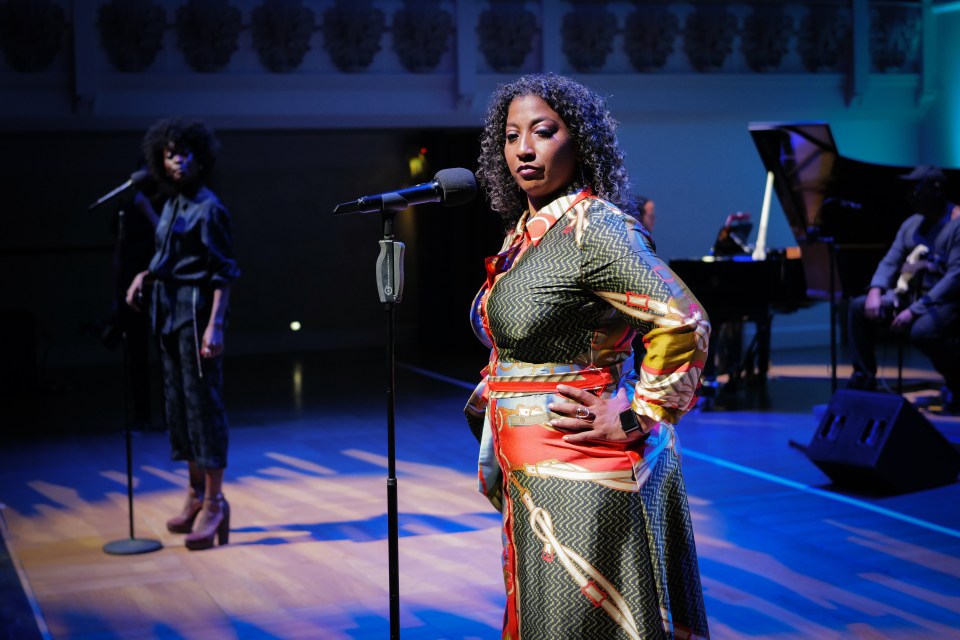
(730, 353)
(756, 360)
(728, 356)
(724, 357)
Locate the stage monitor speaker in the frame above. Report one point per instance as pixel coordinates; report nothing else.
(879, 442)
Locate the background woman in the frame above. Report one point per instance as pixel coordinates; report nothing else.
(577, 452)
(191, 272)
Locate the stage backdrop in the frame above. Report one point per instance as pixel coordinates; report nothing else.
(313, 119)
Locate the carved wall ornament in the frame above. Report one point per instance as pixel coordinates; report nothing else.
(587, 31)
(131, 33)
(649, 34)
(824, 38)
(281, 31)
(351, 34)
(505, 34)
(31, 33)
(708, 36)
(207, 33)
(421, 30)
(894, 39)
(765, 38)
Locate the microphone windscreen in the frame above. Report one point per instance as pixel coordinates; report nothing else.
(139, 176)
(458, 186)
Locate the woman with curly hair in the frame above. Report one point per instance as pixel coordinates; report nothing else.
(578, 451)
(191, 272)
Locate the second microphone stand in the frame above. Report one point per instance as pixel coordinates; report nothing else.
(130, 545)
(390, 286)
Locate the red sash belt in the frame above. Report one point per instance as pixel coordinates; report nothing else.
(592, 378)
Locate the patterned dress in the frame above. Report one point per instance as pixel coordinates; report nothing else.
(597, 536)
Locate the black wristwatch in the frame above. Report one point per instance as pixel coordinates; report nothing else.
(629, 421)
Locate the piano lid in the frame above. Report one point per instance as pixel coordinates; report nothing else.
(828, 196)
(801, 157)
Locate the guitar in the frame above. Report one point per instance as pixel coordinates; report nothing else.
(901, 294)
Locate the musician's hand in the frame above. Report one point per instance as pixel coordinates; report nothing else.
(133, 291)
(873, 307)
(903, 320)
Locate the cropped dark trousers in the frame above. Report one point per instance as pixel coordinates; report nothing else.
(193, 397)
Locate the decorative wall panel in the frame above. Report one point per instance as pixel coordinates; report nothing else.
(438, 58)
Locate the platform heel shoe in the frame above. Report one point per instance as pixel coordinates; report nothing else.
(183, 522)
(215, 523)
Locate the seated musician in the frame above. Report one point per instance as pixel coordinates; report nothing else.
(916, 290)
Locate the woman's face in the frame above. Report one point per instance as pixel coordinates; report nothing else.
(180, 164)
(539, 150)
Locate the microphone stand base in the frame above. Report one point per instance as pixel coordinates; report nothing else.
(131, 546)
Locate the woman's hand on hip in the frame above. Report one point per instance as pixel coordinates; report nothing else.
(591, 417)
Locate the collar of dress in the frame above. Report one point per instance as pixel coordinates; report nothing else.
(537, 226)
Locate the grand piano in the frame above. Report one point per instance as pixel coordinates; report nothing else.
(843, 213)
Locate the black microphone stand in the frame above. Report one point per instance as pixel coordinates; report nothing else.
(132, 545)
(390, 285)
(452, 187)
(832, 254)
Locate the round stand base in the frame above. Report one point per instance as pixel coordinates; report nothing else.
(131, 546)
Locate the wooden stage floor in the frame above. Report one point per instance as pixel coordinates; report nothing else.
(783, 553)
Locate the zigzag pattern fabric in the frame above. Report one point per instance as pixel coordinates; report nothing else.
(651, 573)
(546, 308)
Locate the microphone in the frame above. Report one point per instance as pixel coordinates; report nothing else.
(451, 187)
(135, 178)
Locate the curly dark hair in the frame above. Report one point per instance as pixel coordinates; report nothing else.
(181, 133)
(593, 129)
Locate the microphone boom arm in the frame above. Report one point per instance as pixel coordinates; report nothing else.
(451, 187)
(135, 178)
